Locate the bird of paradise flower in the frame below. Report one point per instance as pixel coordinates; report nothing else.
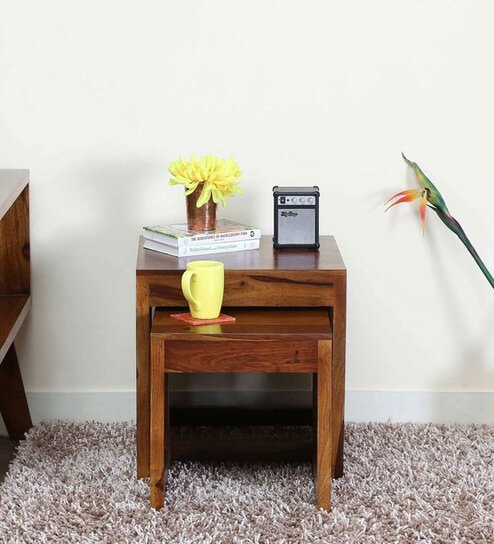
(430, 197)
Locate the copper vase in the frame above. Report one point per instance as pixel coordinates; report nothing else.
(203, 218)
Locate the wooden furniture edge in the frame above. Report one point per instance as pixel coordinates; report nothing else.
(12, 188)
(12, 317)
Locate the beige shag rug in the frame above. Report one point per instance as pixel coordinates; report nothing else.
(403, 483)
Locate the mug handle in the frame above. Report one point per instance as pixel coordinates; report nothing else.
(186, 279)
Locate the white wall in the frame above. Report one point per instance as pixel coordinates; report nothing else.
(97, 97)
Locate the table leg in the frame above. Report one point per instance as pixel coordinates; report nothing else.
(158, 430)
(143, 329)
(338, 375)
(323, 429)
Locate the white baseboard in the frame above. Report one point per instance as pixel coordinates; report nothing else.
(80, 406)
(363, 406)
(420, 406)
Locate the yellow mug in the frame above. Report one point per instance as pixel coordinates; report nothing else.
(202, 285)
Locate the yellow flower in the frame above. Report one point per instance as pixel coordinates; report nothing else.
(218, 178)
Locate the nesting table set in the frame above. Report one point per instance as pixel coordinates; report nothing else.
(290, 310)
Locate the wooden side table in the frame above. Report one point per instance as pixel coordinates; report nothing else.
(15, 299)
(290, 278)
(261, 341)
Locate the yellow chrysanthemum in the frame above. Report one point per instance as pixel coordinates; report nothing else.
(219, 177)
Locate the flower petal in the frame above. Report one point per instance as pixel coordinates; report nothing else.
(422, 207)
(409, 195)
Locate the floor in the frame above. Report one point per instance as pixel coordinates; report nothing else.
(7, 454)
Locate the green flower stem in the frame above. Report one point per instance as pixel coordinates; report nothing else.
(454, 226)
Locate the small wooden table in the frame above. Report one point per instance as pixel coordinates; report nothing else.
(269, 278)
(261, 341)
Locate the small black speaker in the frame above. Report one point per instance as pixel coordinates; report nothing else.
(296, 217)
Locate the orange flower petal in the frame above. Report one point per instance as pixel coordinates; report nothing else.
(423, 205)
(409, 195)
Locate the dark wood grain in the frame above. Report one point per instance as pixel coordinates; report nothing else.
(13, 310)
(14, 247)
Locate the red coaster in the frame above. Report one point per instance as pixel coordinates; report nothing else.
(187, 318)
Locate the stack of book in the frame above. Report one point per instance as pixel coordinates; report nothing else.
(179, 241)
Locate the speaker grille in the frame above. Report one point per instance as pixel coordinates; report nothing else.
(296, 226)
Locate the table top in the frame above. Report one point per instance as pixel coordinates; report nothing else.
(327, 257)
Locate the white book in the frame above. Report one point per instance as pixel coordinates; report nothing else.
(179, 235)
(204, 249)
